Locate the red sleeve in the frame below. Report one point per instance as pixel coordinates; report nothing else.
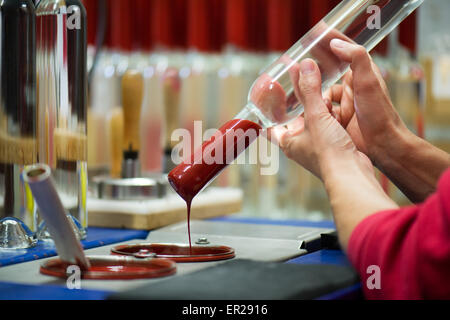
(411, 247)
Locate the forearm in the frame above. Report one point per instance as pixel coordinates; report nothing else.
(354, 195)
(413, 164)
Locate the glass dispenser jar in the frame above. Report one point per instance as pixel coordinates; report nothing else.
(62, 96)
(18, 135)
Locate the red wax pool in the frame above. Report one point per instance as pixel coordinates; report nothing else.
(114, 268)
(178, 253)
(191, 176)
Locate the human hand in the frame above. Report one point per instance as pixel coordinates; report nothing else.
(365, 109)
(316, 140)
(321, 144)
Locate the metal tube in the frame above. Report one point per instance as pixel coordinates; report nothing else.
(43, 188)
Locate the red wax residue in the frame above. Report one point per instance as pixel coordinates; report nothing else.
(177, 253)
(117, 269)
(191, 176)
(107, 268)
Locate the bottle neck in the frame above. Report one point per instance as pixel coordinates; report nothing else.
(252, 113)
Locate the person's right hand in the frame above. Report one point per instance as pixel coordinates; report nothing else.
(365, 109)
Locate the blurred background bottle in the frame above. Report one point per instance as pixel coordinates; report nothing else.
(434, 55)
(62, 101)
(18, 127)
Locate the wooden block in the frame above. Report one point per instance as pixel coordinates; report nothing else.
(156, 213)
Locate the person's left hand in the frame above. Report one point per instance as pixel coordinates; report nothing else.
(317, 140)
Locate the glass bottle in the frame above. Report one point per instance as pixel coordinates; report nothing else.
(18, 135)
(62, 96)
(273, 99)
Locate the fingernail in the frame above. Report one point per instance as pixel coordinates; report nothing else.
(337, 43)
(307, 67)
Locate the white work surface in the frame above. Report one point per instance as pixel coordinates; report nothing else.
(255, 242)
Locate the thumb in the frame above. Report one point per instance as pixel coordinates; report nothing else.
(311, 88)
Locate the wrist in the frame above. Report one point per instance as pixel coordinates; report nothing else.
(392, 147)
(354, 194)
(345, 165)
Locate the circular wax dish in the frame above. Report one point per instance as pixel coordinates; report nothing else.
(176, 252)
(114, 268)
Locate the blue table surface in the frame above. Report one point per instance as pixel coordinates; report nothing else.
(96, 237)
(102, 236)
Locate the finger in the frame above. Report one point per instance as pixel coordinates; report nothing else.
(347, 105)
(329, 104)
(368, 86)
(296, 126)
(352, 53)
(357, 136)
(294, 145)
(365, 72)
(327, 95)
(336, 93)
(336, 113)
(311, 88)
(347, 108)
(274, 134)
(347, 79)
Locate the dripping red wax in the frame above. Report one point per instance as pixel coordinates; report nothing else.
(190, 177)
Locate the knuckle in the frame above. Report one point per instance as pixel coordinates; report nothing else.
(321, 116)
(360, 53)
(288, 148)
(309, 86)
(369, 82)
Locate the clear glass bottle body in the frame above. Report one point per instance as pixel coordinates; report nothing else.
(18, 135)
(273, 99)
(62, 99)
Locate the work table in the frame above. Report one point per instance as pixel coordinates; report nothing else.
(100, 240)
